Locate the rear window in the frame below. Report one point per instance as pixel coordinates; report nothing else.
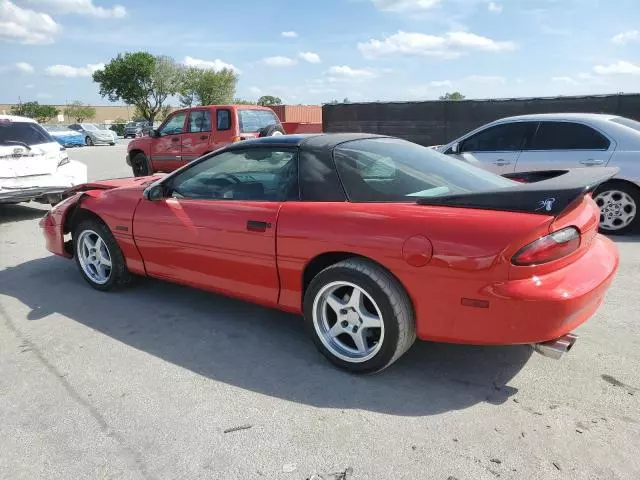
(391, 170)
(255, 120)
(627, 122)
(24, 132)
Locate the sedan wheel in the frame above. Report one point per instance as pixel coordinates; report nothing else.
(618, 209)
(88, 141)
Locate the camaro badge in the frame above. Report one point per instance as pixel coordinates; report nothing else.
(546, 204)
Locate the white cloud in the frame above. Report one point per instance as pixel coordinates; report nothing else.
(404, 5)
(289, 34)
(450, 45)
(486, 79)
(345, 71)
(73, 72)
(585, 76)
(494, 7)
(81, 7)
(215, 65)
(310, 57)
(25, 67)
(25, 26)
(626, 37)
(618, 68)
(441, 83)
(255, 90)
(564, 79)
(278, 61)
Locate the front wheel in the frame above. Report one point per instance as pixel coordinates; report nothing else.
(359, 316)
(88, 141)
(618, 203)
(98, 256)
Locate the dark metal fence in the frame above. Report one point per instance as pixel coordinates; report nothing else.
(438, 122)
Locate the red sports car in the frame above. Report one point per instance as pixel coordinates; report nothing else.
(375, 240)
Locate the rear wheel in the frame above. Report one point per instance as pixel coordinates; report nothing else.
(618, 203)
(98, 256)
(139, 165)
(359, 316)
(88, 141)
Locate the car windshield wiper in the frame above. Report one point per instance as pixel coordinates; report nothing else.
(17, 142)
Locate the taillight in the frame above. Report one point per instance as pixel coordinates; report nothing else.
(548, 248)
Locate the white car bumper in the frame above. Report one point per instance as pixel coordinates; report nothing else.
(44, 188)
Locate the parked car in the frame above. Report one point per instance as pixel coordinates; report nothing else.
(137, 129)
(33, 166)
(65, 136)
(376, 240)
(559, 141)
(94, 135)
(189, 133)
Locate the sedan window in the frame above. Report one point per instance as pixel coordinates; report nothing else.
(258, 174)
(506, 137)
(568, 136)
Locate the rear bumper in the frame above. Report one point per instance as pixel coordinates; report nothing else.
(35, 193)
(535, 309)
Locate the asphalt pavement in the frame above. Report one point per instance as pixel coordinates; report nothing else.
(164, 382)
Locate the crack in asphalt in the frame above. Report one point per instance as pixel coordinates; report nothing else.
(133, 457)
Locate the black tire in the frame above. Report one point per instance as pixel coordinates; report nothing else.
(140, 165)
(112, 143)
(390, 297)
(633, 193)
(271, 130)
(88, 141)
(120, 275)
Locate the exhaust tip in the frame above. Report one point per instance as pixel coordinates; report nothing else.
(556, 348)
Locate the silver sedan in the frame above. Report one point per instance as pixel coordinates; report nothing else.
(94, 135)
(529, 143)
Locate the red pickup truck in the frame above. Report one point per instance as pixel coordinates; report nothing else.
(189, 133)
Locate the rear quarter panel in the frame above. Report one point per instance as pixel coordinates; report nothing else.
(471, 249)
(628, 161)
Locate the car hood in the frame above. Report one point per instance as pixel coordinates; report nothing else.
(129, 183)
(64, 133)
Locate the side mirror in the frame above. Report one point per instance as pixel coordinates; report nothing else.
(152, 193)
(455, 148)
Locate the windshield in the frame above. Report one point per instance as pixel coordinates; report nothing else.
(627, 122)
(255, 120)
(387, 170)
(23, 132)
(89, 126)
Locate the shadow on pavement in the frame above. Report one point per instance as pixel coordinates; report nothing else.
(262, 350)
(16, 213)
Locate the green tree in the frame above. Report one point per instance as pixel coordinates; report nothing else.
(79, 112)
(140, 79)
(41, 113)
(269, 101)
(207, 87)
(452, 96)
(242, 101)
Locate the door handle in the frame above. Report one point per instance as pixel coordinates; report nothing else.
(204, 137)
(176, 139)
(589, 162)
(501, 161)
(257, 226)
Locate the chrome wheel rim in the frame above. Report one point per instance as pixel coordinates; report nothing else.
(617, 209)
(348, 322)
(94, 257)
(277, 134)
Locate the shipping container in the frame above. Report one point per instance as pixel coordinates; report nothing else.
(299, 113)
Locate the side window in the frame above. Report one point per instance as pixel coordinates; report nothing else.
(568, 136)
(262, 174)
(174, 125)
(499, 138)
(318, 178)
(199, 121)
(223, 118)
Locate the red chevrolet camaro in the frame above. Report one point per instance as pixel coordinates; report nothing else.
(375, 240)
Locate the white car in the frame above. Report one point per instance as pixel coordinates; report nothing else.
(33, 166)
(558, 141)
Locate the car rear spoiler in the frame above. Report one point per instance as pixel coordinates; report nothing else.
(547, 193)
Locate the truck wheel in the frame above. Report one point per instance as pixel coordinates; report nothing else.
(359, 316)
(271, 131)
(139, 165)
(98, 256)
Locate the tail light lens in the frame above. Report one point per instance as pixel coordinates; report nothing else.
(548, 248)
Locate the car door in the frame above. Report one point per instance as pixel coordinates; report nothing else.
(166, 147)
(195, 141)
(495, 148)
(214, 227)
(565, 144)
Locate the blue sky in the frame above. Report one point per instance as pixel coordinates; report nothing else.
(308, 51)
